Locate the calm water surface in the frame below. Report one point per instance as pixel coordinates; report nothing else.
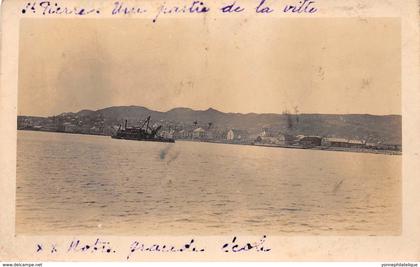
(80, 184)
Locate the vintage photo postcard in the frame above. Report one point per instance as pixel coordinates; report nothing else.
(209, 130)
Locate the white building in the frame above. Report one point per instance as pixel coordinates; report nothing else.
(235, 134)
(199, 133)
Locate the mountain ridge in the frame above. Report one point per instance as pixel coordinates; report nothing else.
(213, 109)
(384, 128)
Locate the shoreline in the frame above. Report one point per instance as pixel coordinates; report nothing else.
(324, 148)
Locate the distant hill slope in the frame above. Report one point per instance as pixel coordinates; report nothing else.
(386, 128)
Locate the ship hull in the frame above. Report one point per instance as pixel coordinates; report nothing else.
(164, 140)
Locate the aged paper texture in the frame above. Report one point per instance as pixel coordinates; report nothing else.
(223, 130)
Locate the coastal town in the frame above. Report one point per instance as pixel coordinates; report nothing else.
(79, 123)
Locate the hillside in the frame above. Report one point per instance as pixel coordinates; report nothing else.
(359, 126)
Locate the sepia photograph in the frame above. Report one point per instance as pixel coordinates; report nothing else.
(246, 126)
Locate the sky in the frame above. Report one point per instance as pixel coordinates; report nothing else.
(261, 65)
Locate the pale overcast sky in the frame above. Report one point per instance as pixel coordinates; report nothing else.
(234, 65)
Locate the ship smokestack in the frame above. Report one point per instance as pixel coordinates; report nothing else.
(125, 125)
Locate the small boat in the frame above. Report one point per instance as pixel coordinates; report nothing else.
(143, 133)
